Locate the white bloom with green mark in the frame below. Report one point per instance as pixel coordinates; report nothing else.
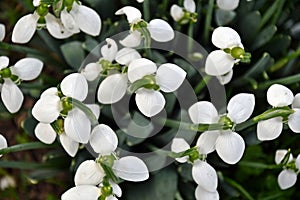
(280, 96)
(178, 13)
(229, 145)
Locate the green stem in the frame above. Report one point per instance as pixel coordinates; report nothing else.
(26, 165)
(26, 146)
(208, 18)
(202, 84)
(87, 111)
(283, 61)
(239, 188)
(192, 127)
(191, 36)
(258, 165)
(286, 81)
(146, 10)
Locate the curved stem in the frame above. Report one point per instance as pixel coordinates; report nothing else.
(286, 81)
(26, 146)
(239, 187)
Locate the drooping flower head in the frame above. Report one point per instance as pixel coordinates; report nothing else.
(219, 63)
(186, 14)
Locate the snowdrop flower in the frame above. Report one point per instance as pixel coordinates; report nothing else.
(53, 108)
(228, 4)
(140, 1)
(74, 17)
(114, 86)
(203, 174)
(2, 32)
(288, 176)
(3, 143)
(92, 181)
(186, 14)
(7, 182)
(158, 29)
(229, 145)
(279, 96)
(219, 63)
(25, 69)
(167, 78)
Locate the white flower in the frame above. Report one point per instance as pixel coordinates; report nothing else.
(25, 69)
(3, 142)
(36, 3)
(168, 77)
(114, 87)
(7, 182)
(86, 192)
(159, 29)
(177, 12)
(76, 125)
(203, 174)
(83, 18)
(229, 145)
(219, 63)
(140, 1)
(288, 176)
(228, 4)
(2, 32)
(279, 96)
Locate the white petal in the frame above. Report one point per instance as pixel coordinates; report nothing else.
(179, 145)
(126, 55)
(294, 121)
(269, 129)
(4, 61)
(206, 143)
(202, 194)
(112, 89)
(230, 147)
(68, 21)
(56, 28)
(77, 126)
(279, 95)
(133, 15)
(132, 40)
(225, 37)
(203, 112)
(103, 140)
(297, 162)
(91, 71)
(89, 173)
(47, 109)
(70, 146)
(296, 101)
(218, 63)
(75, 86)
(50, 92)
(226, 78)
(280, 154)
(189, 5)
(45, 133)
(86, 192)
(139, 68)
(169, 77)
(131, 168)
(149, 102)
(95, 109)
(3, 143)
(12, 96)
(116, 189)
(87, 19)
(36, 3)
(160, 30)
(240, 107)
(25, 28)
(205, 175)
(286, 179)
(111, 197)
(2, 32)
(27, 68)
(228, 4)
(176, 12)
(109, 50)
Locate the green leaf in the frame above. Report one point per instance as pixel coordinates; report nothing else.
(249, 25)
(138, 130)
(162, 185)
(224, 17)
(264, 37)
(260, 66)
(278, 45)
(73, 53)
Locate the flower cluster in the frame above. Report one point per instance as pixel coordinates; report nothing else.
(186, 14)
(69, 18)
